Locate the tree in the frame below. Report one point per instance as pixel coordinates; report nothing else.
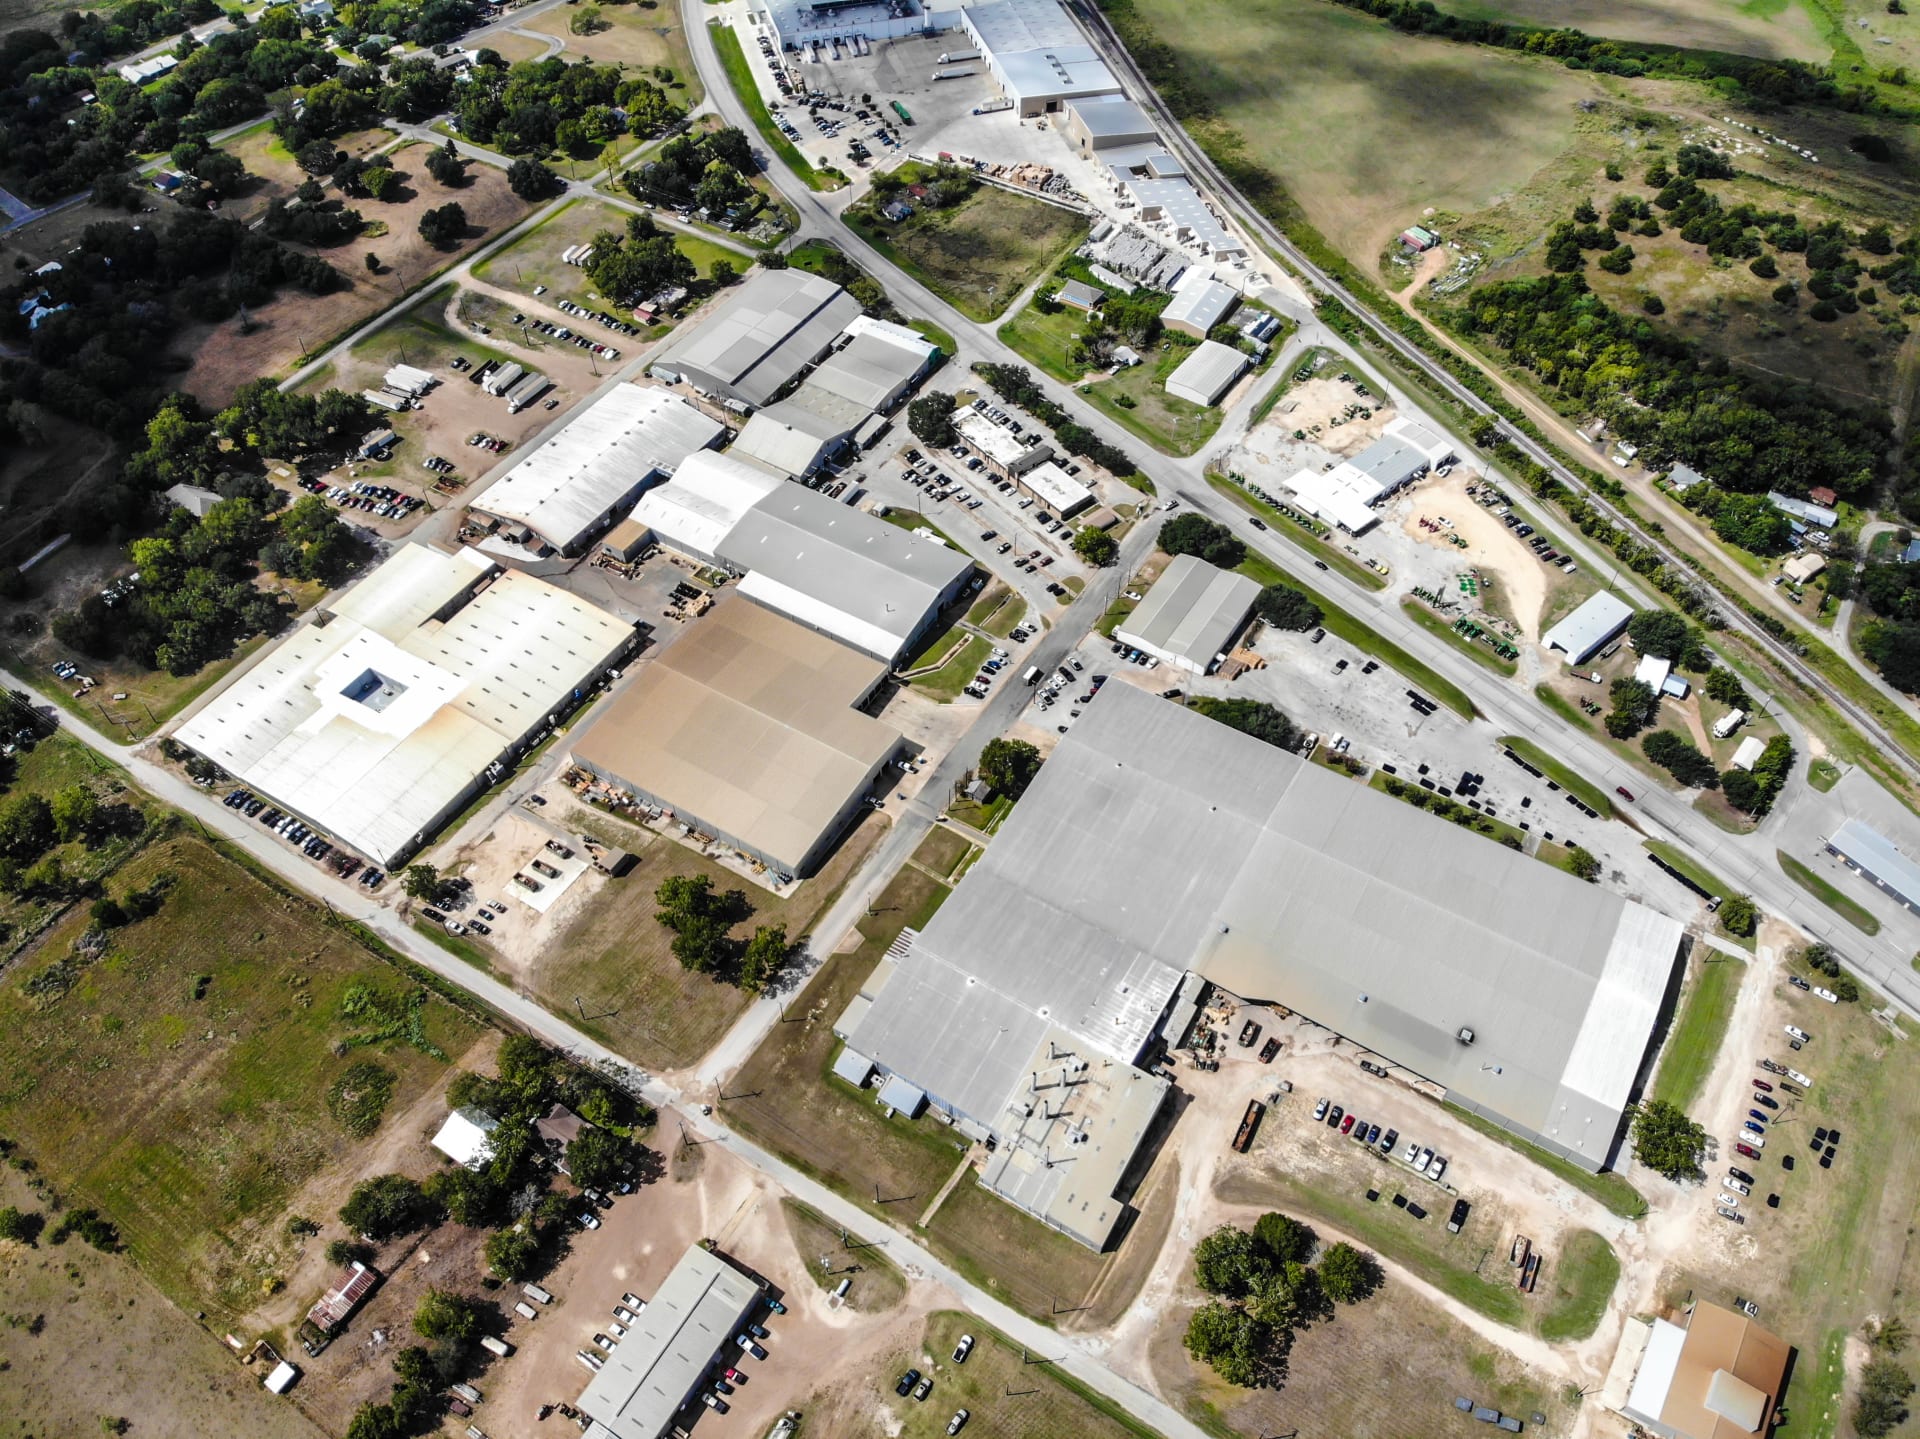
(514, 1254)
(1286, 608)
(1724, 686)
(1681, 760)
(1195, 534)
(421, 882)
(1346, 1274)
(75, 812)
(1582, 864)
(1095, 546)
(930, 417)
(1738, 915)
(443, 1314)
(1752, 523)
(1255, 717)
(447, 165)
(384, 184)
(1633, 706)
(597, 1157)
(1743, 791)
(1230, 1341)
(1667, 1141)
(531, 180)
(444, 225)
(765, 956)
(1659, 632)
(26, 827)
(1280, 1239)
(20, 1228)
(700, 919)
(384, 1206)
(1226, 1262)
(373, 263)
(1881, 1406)
(1009, 765)
(1618, 260)
(586, 21)
(723, 273)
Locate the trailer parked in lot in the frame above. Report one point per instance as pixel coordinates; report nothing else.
(503, 379)
(1243, 1140)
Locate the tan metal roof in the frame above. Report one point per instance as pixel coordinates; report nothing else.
(1728, 1377)
(746, 726)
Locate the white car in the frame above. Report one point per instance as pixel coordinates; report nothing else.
(1794, 1031)
(1828, 995)
(624, 1314)
(618, 1329)
(1735, 1185)
(1729, 1199)
(1437, 1168)
(1412, 1153)
(1426, 1158)
(1754, 1139)
(601, 1341)
(1800, 1079)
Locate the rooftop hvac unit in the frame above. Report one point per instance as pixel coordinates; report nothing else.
(1465, 1036)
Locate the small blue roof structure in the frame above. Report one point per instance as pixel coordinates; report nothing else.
(1911, 554)
(898, 1094)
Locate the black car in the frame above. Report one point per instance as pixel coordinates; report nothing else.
(1797, 982)
(1740, 1174)
(434, 915)
(907, 1381)
(1335, 1115)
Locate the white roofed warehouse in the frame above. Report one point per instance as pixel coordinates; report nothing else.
(1208, 373)
(1191, 614)
(1589, 629)
(1531, 997)
(576, 483)
(376, 721)
(708, 495)
(767, 331)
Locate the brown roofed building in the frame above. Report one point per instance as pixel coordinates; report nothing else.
(559, 1127)
(1716, 1377)
(353, 1285)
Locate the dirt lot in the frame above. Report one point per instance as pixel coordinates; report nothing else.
(295, 324)
(277, 176)
(1508, 567)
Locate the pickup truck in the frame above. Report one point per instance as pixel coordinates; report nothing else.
(1269, 1049)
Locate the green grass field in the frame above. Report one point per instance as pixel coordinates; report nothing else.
(1612, 1190)
(1045, 341)
(981, 253)
(1585, 790)
(1170, 424)
(1579, 1284)
(1700, 1027)
(1823, 774)
(726, 44)
(1853, 912)
(1361, 637)
(1434, 624)
(1771, 29)
(179, 1081)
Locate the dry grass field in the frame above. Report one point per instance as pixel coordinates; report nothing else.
(979, 255)
(633, 38)
(1776, 29)
(179, 1081)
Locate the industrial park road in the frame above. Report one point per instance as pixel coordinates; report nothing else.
(220, 825)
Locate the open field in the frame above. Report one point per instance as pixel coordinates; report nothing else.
(633, 39)
(277, 176)
(275, 336)
(1854, 913)
(980, 254)
(1011, 1255)
(878, 1283)
(1579, 1283)
(1455, 128)
(1589, 793)
(613, 961)
(1773, 29)
(534, 259)
(179, 1081)
(145, 1360)
(1693, 1044)
(1005, 1395)
(1044, 340)
(1354, 632)
(1167, 422)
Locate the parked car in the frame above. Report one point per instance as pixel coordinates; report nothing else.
(906, 1382)
(1794, 1031)
(963, 1349)
(923, 1389)
(958, 1422)
(1320, 1111)
(1763, 1086)
(1746, 1151)
(1346, 1125)
(1334, 1114)
(1388, 1140)
(1797, 982)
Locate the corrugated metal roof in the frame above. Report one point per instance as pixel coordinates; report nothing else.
(1874, 853)
(1192, 611)
(1598, 620)
(1200, 304)
(767, 330)
(1205, 375)
(696, 510)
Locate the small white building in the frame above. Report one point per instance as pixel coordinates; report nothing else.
(467, 1137)
(1749, 752)
(145, 72)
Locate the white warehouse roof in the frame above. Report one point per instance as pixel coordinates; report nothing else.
(467, 1137)
(1598, 620)
(374, 721)
(1057, 489)
(607, 452)
(1191, 614)
(696, 510)
(1208, 373)
(1200, 303)
(1008, 26)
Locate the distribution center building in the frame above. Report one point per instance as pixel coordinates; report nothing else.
(747, 728)
(762, 336)
(1346, 494)
(575, 483)
(1590, 628)
(1191, 615)
(377, 720)
(1530, 996)
(685, 1331)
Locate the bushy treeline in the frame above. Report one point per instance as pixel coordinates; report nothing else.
(538, 106)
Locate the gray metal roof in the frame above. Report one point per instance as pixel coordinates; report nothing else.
(869, 371)
(1113, 117)
(762, 335)
(1200, 303)
(841, 570)
(1389, 463)
(1156, 840)
(1205, 374)
(653, 1370)
(1873, 852)
(1598, 620)
(1192, 611)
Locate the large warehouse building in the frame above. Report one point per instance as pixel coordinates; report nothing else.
(1530, 996)
(1191, 614)
(678, 1339)
(575, 483)
(1869, 853)
(1208, 373)
(763, 335)
(1347, 494)
(376, 721)
(1589, 629)
(707, 497)
(1038, 54)
(748, 729)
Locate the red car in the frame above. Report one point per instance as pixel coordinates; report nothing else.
(1346, 1125)
(1763, 1086)
(1623, 792)
(1747, 1149)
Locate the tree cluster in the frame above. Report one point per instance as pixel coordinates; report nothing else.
(1681, 759)
(1014, 383)
(1095, 546)
(1008, 765)
(1252, 717)
(1195, 534)
(1286, 608)
(1264, 1289)
(1667, 1141)
(707, 171)
(1658, 391)
(1749, 521)
(1634, 703)
(1754, 791)
(1668, 636)
(1892, 638)
(538, 106)
(930, 418)
(639, 264)
(703, 920)
(1820, 958)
